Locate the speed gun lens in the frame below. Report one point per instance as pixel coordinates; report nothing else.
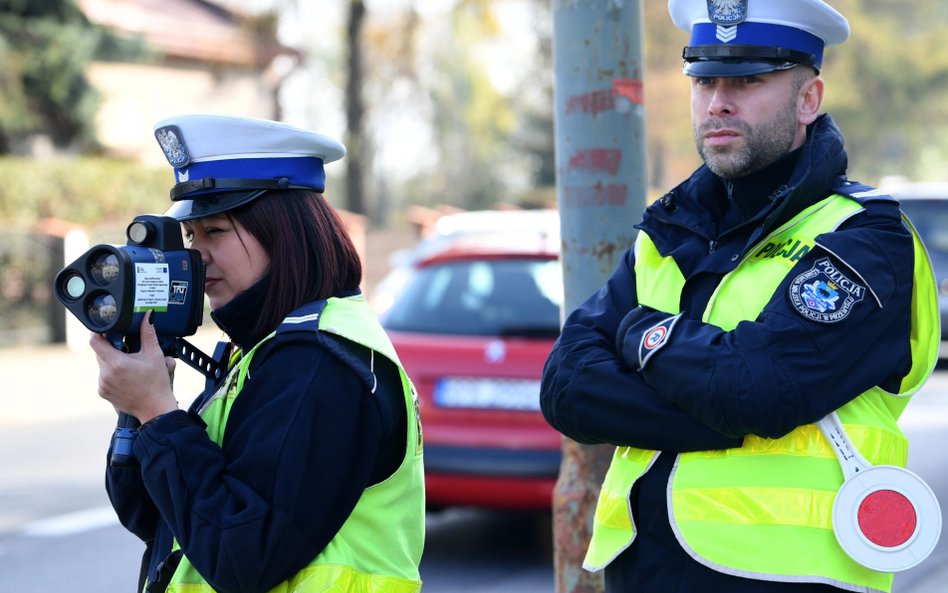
(138, 232)
(105, 269)
(103, 310)
(75, 287)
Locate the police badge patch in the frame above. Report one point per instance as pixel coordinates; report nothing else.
(172, 144)
(727, 13)
(655, 337)
(823, 293)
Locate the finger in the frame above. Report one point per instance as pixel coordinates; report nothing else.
(102, 347)
(149, 337)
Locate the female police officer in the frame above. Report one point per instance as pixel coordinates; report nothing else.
(302, 469)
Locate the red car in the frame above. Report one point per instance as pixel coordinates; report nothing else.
(473, 325)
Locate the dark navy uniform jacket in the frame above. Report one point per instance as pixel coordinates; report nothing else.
(707, 388)
(304, 438)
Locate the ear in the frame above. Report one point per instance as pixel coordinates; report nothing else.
(810, 100)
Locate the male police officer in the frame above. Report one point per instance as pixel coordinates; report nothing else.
(763, 293)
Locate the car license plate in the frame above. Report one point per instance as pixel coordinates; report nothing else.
(502, 394)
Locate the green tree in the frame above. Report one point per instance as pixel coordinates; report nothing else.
(422, 74)
(471, 119)
(532, 103)
(425, 78)
(887, 86)
(45, 46)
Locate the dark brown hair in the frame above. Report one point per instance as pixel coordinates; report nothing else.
(311, 254)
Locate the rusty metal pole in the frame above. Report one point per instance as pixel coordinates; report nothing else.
(601, 184)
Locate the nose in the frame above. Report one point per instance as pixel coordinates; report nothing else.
(196, 245)
(720, 100)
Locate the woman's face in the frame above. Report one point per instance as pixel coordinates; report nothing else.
(234, 259)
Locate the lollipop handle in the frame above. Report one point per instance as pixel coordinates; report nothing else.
(850, 459)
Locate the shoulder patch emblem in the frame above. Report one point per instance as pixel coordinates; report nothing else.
(655, 337)
(824, 294)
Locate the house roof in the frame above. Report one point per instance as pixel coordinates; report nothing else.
(189, 29)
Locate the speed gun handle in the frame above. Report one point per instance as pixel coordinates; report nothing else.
(126, 426)
(122, 441)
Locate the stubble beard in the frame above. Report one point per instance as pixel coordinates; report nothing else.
(761, 146)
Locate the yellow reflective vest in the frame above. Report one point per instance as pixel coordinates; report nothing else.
(764, 510)
(378, 548)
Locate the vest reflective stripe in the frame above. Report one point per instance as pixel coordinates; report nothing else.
(324, 578)
(771, 494)
(378, 548)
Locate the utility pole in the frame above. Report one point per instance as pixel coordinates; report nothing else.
(601, 184)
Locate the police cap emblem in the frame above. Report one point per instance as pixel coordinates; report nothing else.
(727, 12)
(824, 293)
(172, 144)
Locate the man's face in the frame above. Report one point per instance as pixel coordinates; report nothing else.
(742, 124)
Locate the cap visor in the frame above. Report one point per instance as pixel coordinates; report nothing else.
(210, 204)
(729, 68)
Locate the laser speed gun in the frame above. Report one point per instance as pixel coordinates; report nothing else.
(110, 288)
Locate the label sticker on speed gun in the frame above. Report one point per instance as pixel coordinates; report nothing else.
(151, 287)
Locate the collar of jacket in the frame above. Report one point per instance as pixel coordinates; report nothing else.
(820, 167)
(238, 317)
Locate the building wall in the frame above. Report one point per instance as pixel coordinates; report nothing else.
(135, 96)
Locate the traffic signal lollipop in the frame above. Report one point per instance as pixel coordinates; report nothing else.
(885, 517)
(110, 288)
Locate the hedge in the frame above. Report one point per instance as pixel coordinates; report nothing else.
(85, 190)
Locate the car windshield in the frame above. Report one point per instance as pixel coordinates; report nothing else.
(490, 297)
(930, 218)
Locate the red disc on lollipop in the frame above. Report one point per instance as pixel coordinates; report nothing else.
(887, 518)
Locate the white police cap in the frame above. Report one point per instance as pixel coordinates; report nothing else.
(744, 37)
(221, 162)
